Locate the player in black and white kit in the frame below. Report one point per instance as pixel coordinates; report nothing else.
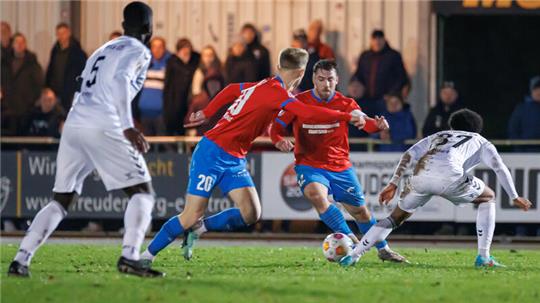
(443, 161)
(99, 134)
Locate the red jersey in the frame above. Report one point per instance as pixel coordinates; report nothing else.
(254, 107)
(320, 145)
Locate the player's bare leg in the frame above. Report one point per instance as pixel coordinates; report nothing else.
(44, 223)
(246, 212)
(137, 218)
(365, 222)
(317, 194)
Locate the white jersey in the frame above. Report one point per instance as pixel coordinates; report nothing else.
(450, 154)
(112, 77)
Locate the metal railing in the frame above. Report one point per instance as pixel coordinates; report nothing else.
(185, 141)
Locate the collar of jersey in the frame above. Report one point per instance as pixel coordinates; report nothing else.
(280, 81)
(319, 99)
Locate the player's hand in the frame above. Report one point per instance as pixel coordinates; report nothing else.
(382, 124)
(522, 203)
(358, 121)
(136, 138)
(387, 194)
(285, 145)
(196, 119)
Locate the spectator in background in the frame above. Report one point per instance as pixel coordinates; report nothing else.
(240, 66)
(210, 64)
(380, 68)
(6, 40)
(23, 84)
(525, 120)
(178, 76)
(150, 100)
(251, 38)
(437, 119)
(65, 65)
(46, 119)
(401, 121)
(315, 44)
(300, 41)
(115, 34)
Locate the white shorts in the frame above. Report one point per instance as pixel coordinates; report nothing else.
(84, 149)
(419, 189)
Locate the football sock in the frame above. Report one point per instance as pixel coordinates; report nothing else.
(485, 227)
(375, 234)
(364, 228)
(227, 220)
(333, 218)
(168, 232)
(136, 221)
(45, 222)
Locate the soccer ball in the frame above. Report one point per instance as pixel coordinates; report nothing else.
(336, 246)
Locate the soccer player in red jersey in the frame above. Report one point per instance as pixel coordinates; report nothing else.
(322, 156)
(219, 159)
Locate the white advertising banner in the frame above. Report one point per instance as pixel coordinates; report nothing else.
(282, 198)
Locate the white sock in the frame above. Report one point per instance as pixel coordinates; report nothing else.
(45, 222)
(199, 230)
(146, 255)
(485, 227)
(375, 234)
(136, 220)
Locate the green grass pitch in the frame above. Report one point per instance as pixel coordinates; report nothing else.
(86, 273)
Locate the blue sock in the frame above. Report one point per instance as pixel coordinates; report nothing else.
(365, 226)
(227, 220)
(333, 218)
(168, 232)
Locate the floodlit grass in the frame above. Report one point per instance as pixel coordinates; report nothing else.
(87, 273)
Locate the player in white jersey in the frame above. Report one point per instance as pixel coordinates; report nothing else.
(99, 134)
(442, 164)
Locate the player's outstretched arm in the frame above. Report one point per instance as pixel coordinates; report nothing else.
(318, 114)
(226, 96)
(377, 124)
(493, 160)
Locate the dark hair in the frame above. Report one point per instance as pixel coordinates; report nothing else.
(62, 25)
(395, 95)
(377, 33)
(17, 35)
(249, 26)
(466, 120)
(326, 64)
(183, 42)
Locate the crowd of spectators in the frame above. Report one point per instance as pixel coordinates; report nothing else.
(34, 102)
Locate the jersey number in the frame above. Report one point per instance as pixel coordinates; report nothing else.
(237, 106)
(94, 70)
(443, 139)
(205, 183)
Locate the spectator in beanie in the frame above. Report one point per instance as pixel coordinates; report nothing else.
(437, 119)
(525, 120)
(401, 122)
(66, 63)
(380, 68)
(251, 38)
(178, 76)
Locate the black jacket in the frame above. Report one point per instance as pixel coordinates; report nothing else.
(38, 123)
(381, 72)
(74, 67)
(262, 57)
(437, 119)
(23, 87)
(178, 77)
(241, 69)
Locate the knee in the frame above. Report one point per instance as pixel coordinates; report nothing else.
(486, 196)
(143, 188)
(65, 199)
(319, 201)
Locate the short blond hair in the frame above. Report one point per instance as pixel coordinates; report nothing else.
(293, 58)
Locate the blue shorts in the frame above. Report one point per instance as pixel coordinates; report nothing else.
(344, 185)
(211, 166)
